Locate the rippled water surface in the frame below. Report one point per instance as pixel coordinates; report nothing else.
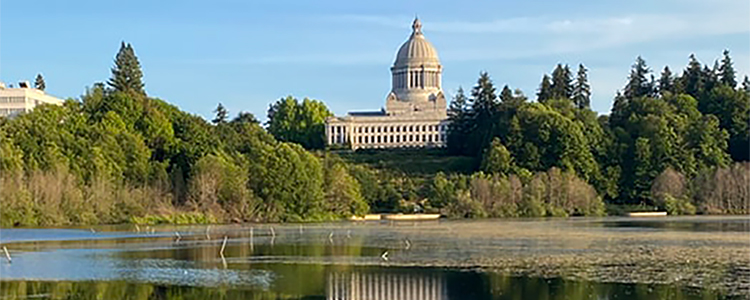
(377, 260)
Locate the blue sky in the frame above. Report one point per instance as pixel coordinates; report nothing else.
(247, 54)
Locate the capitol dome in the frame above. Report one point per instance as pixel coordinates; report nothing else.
(417, 50)
(416, 77)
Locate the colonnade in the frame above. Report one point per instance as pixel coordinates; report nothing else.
(387, 135)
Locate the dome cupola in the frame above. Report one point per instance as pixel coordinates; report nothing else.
(416, 77)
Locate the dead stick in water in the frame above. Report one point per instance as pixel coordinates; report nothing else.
(273, 233)
(208, 236)
(224, 244)
(7, 255)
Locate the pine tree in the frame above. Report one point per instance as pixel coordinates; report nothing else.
(666, 82)
(483, 112)
(506, 95)
(245, 117)
(692, 78)
(458, 117)
(483, 97)
(746, 85)
(545, 90)
(638, 83)
(126, 74)
(458, 106)
(561, 82)
(726, 71)
(221, 114)
(582, 89)
(710, 77)
(39, 82)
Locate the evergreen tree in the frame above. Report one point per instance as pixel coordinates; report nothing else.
(711, 77)
(458, 117)
(126, 74)
(746, 85)
(506, 94)
(582, 89)
(483, 111)
(483, 97)
(638, 83)
(726, 71)
(666, 82)
(39, 82)
(245, 117)
(221, 114)
(692, 78)
(545, 90)
(561, 82)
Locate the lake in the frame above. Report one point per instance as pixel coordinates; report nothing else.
(578, 258)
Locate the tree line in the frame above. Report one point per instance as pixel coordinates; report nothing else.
(693, 124)
(118, 155)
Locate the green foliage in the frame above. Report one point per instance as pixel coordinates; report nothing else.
(639, 84)
(342, 190)
(127, 76)
(545, 89)
(302, 123)
(552, 193)
(185, 218)
(497, 159)
(561, 86)
(221, 114)
(581, 94)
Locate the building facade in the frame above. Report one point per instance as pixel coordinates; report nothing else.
(24, 98)
(415, 109)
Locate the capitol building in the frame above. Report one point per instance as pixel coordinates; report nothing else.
(415, 108)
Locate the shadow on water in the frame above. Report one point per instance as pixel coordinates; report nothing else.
(693, 224)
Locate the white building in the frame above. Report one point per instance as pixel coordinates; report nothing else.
(24, 98)
(415, 109)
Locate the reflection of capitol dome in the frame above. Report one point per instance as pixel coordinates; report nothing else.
(416, 76)
(417, 50)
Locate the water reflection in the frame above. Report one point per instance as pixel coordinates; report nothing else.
(386, 286)
(373, 284)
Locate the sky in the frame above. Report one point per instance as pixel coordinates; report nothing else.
(248, 54)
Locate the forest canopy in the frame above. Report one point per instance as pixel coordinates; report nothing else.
(677, 143)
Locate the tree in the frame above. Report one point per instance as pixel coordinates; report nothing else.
(497, 159)
(666, 81)
(545, 89)
(582, 89)
(506, 94)
(746, 85)
(692, 78)
(483, 110)
(638, 83)
(726, 71)
(561, 82)
(302, 123)
(221, 115)
(245, 117)
(126, 74)
(458, 115)
(39, 82)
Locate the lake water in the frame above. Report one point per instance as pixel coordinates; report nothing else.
(587, 258)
